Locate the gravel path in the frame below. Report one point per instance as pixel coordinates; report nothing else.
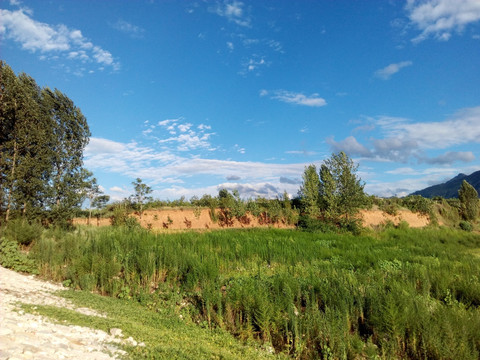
(27, 336)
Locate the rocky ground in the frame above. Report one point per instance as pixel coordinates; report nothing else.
(27, 336)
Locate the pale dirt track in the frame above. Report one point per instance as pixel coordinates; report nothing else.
(27, 336)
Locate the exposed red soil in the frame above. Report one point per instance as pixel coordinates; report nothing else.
(183, 219)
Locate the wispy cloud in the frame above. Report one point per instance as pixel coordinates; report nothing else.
(391, 69)
(164, 167)
(233, 11)
(405, 139)
(450, 157)
(183, 135)
(253, 65)
(54, 40)
(417, 179)
(291, 97)
(440, 18)
(133, 31)
(349, 145)
(461, 128)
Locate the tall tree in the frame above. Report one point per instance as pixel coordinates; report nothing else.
(309, 191)
(141, 195)
(328, 194)
(42, 138)
(23, 163)
(92, 191)
(469, 201)
(341, 190)
(71, 134)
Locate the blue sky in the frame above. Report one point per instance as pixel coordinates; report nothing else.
(193, 96)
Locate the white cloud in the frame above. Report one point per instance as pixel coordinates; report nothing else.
(301, 152)
(391, 69)
(184, 136)
(403, 171)
(233, 11)
(239, 149)
(163, 167)
(450, 157)
(417, 180)
(404, 139)
(128, 28)
(439, 18)
(349, 145)
(53, 40)
(291, 97)
(253, 65)
(461, 128)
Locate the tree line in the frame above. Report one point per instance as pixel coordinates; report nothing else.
(42, 138)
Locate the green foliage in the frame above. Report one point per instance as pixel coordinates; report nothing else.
(417, 203)
(341, 191)
(465, 225)
(121, 217)
(22, 231)
(12, 258)
(402, 293)
(141, 195)
(469, 202)
(41, 152)
(231, 207)
(157, 324)
(336, 193)
(309, 191)
(310, 224)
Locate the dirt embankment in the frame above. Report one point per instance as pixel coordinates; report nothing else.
(183, 219)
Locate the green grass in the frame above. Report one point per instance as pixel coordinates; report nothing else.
(401, 293)
(165, 335)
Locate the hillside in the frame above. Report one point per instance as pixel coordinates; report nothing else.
(184, 219)
(450, 188)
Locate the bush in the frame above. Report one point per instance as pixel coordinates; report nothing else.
(12, 258)
(22, 231)
(120, 217)
(466, 226)
(309, 224)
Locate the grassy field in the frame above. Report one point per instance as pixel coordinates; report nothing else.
(400, 293)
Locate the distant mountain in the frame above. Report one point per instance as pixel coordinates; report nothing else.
(450, 188)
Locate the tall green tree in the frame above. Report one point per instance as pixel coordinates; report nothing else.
(309, 191)
(469, 202)
(328, 198)
(70, 136)
(341, 190)
(92, 192)
(23, 163)
(141, 195)
(42, 138)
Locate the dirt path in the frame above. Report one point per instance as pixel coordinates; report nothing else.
(27, 336)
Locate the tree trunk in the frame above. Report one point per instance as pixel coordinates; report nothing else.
(9, 201)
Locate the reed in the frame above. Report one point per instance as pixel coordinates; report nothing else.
(402, 293)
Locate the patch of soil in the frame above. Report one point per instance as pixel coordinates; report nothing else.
(184, 219)
(377, 217)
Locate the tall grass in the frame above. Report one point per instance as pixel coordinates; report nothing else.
(404, 293)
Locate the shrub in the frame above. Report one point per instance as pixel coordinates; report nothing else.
(12, 258)
(466, 226)
(309, 224)
(120, 217)
(22, 231)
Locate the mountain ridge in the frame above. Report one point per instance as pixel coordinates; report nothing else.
(449, 189)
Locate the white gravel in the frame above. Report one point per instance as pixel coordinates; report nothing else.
(27, 336)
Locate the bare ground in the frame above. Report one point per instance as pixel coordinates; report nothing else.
(183, 219)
